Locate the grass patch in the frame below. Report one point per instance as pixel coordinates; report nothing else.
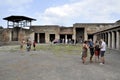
(56, 49)
(61, 49)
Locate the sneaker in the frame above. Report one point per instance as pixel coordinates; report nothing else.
(101, 64)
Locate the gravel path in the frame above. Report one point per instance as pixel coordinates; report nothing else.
(44, 65)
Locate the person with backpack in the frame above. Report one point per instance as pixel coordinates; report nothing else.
(91, 47)
(97, 51)
(28, 45)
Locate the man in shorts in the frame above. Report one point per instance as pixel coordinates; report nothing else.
(102, 51)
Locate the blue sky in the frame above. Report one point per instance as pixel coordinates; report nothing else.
(62, 12)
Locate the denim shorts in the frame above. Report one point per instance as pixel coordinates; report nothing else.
(102, 53)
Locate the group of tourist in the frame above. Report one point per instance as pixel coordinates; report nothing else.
(96, 49)
(28, 44)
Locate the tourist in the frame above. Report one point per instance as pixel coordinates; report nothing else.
(28, 45)
(66, 41)
(102, 51)
(34, 45)
(63, 40)
(91, 47)
(97, 51)
(22, 42)
(84, 51)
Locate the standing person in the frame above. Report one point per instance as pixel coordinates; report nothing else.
(91, 47)
(22, 44)
(28, 45)
(97, 50)
(34, 45)
(102, 51)
(66, 41)
(84, 51)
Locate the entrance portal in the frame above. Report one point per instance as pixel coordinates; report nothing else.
(62, 38)
(79, 35)
(15, 33)
(52, 37)
(42, 37)
(90, 36)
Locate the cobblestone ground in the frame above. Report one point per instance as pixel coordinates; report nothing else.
(44, 65)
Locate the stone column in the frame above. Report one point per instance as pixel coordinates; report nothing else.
(32, 36)
(109, 40)
(113, 40)
(47, 38)
(66, 40)
(94, 37)
(57, 36)
(38, 38)
(10, 36)
(74, 34)
(105, 37)
(118, 39)
(85, 34)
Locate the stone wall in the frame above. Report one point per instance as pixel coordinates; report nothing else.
(48, 29)
(78, 29)
(66, 30)
(93, 27)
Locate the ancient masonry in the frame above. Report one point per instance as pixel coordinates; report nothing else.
(110, 32)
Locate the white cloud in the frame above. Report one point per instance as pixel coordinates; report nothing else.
(86, 10)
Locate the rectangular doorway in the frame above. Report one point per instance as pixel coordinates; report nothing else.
(36, 37)
(52, 37)
(90, 36)
(62, 38)
(79, 35)
(42, 37)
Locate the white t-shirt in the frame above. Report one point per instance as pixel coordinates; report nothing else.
(103, 46)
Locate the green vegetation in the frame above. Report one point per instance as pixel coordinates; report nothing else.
(57, 49)
(61, 49)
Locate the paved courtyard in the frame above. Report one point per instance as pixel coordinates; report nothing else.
(44, 65)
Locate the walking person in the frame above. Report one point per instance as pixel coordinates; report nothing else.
(84, 51)
(97, 51)
(91, 47)
(102, 51)
(34, 45)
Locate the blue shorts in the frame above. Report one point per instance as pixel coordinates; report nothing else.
(102, 53)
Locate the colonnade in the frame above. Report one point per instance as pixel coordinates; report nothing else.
(111, 37)
(46, 37)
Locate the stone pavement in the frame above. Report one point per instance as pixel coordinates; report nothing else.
(44, 65)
